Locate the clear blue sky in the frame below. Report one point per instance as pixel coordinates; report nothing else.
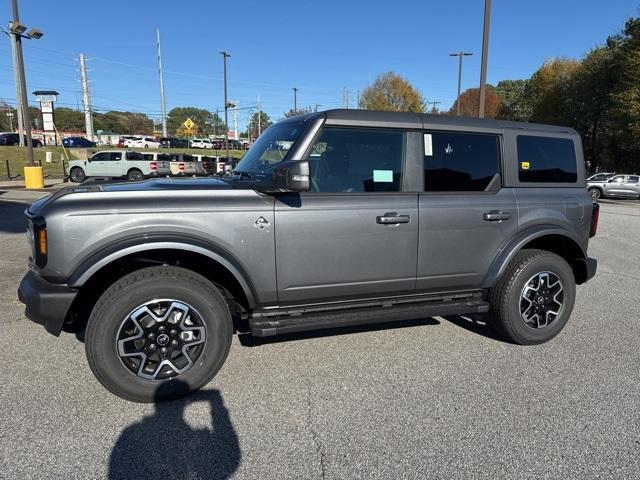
(319, 47)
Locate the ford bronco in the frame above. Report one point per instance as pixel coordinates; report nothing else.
(331, 219)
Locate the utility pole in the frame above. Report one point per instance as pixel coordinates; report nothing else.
(225, 55)
(163, 99)
(24, 105)
(16, 81)
(345, 97)
(86, 99)
(215, 124)
(9, 115)
(433, 103)
(295, 100)
(459, 55)
(485, 53)
(317, 105)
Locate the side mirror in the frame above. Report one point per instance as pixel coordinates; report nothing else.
(292, 176)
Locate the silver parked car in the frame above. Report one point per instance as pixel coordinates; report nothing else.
(626, 186)
(111, 163)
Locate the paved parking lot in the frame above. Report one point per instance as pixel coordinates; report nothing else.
(436, 398)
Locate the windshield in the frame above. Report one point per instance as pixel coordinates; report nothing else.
(271, 148)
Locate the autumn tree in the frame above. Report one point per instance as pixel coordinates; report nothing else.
(391, 92)
(514, 100)
(549, 90)
(470, 103)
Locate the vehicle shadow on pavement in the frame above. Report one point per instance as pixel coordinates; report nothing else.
(477, 323)
(247, 340)
(12, 217)
(163, 445)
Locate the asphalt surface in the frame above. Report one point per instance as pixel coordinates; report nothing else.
(435, 398)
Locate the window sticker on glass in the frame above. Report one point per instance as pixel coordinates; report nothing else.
(428, 145)
(383, 176)
(524, 165)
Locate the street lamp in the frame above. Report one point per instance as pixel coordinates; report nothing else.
(16, 31)
(295, 100)
(459, 55)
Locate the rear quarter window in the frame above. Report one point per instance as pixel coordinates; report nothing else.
(546, 160)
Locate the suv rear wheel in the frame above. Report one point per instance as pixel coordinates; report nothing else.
(134, 175)
(158, 334)
(533, 300)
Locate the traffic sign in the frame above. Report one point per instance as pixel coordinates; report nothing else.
(188, 123)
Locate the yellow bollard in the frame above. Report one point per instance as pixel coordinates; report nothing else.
(33, 177)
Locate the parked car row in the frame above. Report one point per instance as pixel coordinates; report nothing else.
(136, 165)
(614, 185)
(11, 139)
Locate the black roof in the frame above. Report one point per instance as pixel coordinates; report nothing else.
(376, 118)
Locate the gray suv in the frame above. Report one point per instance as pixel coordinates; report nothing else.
(331, 219)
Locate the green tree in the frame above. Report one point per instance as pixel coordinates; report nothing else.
(391, 92)
(265, 122)
(68, 120)
(299, 111)
(549, 91)
(514, 100)
(207, 123)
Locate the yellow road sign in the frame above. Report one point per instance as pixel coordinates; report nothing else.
(188, 123)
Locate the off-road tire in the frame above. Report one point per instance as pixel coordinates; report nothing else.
(504, 298)
(133, 290)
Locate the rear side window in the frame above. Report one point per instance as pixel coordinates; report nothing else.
(546, 160)
(455, 161)
(633, 179)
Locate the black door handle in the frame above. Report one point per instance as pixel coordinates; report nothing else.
(392, 219)
(496, 216)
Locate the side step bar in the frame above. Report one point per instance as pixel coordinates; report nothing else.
(267, 327)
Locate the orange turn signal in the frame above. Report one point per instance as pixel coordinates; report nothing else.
(42, 241)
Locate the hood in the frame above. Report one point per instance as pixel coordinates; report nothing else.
(159, 185)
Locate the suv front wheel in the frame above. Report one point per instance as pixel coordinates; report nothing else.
(533, 300)
(158, 334)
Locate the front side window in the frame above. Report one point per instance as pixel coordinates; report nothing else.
(546, 160)
(460, 161)
(100, 157)
(117, 156)
(357, 160)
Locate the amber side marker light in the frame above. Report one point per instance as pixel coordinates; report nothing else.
(42, 241)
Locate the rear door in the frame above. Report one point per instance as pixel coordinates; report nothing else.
(115, 164)
(355, 234)
(616, 186)
(465, 214)
(633, 185)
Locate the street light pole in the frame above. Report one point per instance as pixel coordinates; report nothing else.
(295, 100)
(225, 55)
(485, 52)
(459, 55)
(23, 83)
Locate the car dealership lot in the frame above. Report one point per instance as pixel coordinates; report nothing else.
(438, 398)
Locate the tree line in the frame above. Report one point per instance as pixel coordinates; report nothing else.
(598, 95)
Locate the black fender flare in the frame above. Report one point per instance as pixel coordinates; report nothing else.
(159, 241)
(506, 253)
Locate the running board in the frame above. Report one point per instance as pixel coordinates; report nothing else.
(268, 327)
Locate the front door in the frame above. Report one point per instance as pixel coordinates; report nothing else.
(465, 216)
(96, 165)
(355, 234)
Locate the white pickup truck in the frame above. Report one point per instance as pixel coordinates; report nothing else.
(112, 163)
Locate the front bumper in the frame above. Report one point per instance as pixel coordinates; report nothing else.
(46, 303)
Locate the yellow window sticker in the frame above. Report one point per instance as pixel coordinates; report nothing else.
(524, 165)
